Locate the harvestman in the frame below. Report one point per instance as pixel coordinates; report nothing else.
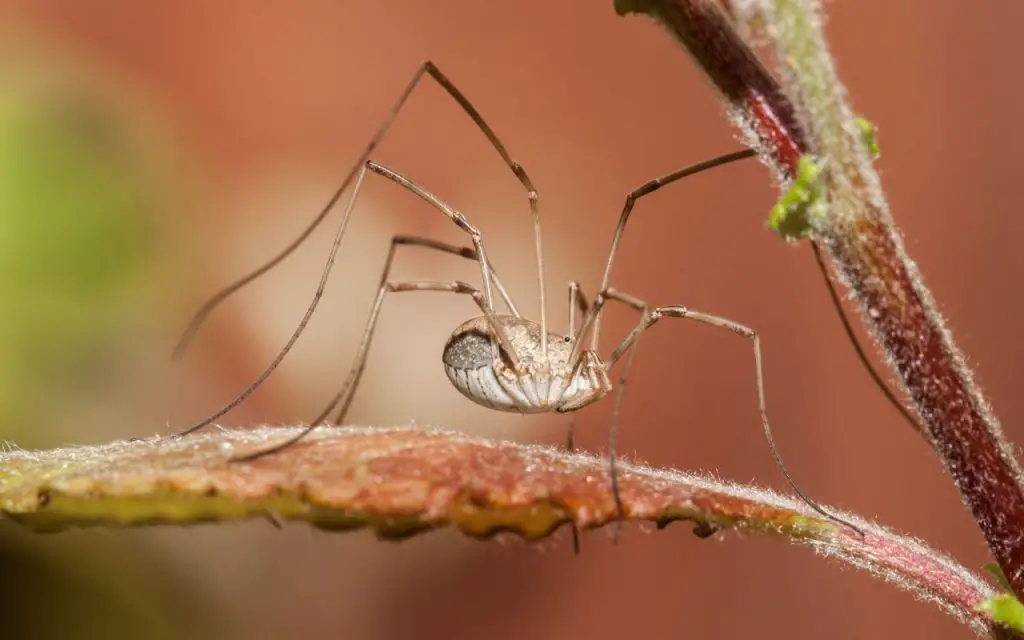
(503, 361)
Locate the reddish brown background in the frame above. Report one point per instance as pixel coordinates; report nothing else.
(267, 105)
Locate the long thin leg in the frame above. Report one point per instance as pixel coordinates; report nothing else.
(520, 173)
(474, 254)
(656, 184)
(302, 323)
(647, 189)
(208, 307)
(577, 303)
(613, 433)
(427, 243)
(589, 321)
(484, 299)
(682, 312)
(468, 253)
(462, 223)
(429, 69)
(347, 392)
(864, 360)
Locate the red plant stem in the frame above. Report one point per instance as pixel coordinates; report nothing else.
(738, 73)
(870, 259)
(406, 480)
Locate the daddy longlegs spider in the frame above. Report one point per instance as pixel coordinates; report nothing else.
(503, 361)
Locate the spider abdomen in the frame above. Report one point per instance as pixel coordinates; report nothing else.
(485, 374)
(481, 385)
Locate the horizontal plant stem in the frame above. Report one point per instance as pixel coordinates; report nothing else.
(403, 481)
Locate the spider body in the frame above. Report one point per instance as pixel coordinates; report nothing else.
(487, 375)
(502, 361)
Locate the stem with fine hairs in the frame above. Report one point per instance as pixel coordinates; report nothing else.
(807, 113)
(402, 481)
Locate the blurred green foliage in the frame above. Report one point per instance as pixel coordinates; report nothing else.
(79, 207)
(73, 235)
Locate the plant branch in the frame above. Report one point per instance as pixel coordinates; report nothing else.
(811, 117)
(404, 481)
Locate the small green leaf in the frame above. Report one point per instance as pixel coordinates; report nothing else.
(794, 214)
(1006, 609)
(78, 205)
(869, 133)
(798, 210)
(998, 574)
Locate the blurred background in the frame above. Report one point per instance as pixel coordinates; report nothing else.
(152, 152)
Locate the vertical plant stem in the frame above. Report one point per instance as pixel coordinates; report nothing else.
(811, 116)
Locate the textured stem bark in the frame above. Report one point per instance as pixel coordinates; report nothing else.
(811, 116)
(404, 481)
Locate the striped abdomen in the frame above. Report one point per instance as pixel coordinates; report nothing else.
(469, 362)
